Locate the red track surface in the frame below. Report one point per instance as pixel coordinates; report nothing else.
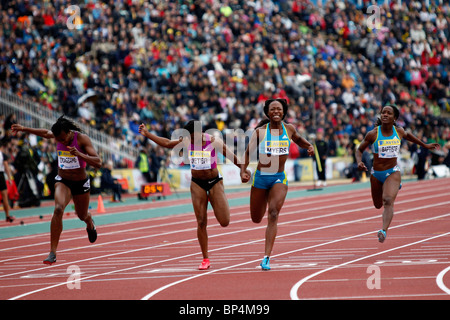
(326, 249)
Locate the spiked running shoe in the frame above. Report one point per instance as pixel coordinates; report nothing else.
(205, 265)
(265, 264)
(51, 259)
(381, 236)
(92, 234)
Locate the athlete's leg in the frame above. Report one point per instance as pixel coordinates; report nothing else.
(258, 203)
(62, 198)
(390, 191)
(220, 205)
(200, 204)
(277, 195)
(81, 202)
(6, 205)
(376, 188)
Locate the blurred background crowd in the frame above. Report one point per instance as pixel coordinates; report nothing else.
(116, 64)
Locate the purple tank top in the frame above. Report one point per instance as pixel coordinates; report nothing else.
(203, 158)
(66, 160)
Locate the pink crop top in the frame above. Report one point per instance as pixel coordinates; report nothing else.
(204, 158)
(66, 160)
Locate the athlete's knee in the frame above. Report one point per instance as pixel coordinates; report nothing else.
(388, 201)
(273, 214)
(224, 223)
(378, 205)
(202, 223)
(59, 210)
(256, 217)
(84, 217)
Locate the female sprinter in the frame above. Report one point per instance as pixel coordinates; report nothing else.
(74, 151)
(269, 188)
(385, 180)
(206, 181)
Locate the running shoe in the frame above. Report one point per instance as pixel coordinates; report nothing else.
(9, 219)
(265, 264)
(51, 259)
(381, 236)
(205, 265)
(92, 234)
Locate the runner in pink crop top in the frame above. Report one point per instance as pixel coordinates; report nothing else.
(204, 158)
(66, 160)
(75, 151)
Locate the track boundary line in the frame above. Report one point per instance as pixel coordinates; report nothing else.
(440, 281)
(296, 287)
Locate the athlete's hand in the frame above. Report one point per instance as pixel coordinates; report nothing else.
(74, 151)
(245, 176)
(16, 128)
(432, 146)
(143, 129)
(310, 151)
(362, 166)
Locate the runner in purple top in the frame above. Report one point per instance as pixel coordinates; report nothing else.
(206, 182)
(74, 151)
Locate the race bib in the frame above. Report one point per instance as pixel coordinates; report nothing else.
(389, 148)
(277, 148)
(67, 161)
(200, 160)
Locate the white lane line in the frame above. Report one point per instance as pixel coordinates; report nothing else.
(296, 287)
(440, 280)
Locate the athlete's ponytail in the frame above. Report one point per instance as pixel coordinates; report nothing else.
(64, 124)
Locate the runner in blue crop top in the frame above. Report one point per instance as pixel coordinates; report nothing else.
(272, 138)
(385, 180)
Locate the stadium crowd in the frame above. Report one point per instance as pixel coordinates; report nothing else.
(116, 64)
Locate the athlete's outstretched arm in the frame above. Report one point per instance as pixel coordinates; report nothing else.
(410, 137)
(245, 173)
(44, 133)
(163, 142)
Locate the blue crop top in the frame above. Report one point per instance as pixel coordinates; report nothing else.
(275, 145)
(387, 147)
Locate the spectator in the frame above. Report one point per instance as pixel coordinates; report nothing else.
(108, 182)
(142, 163)
(4, 168)
(321, 157)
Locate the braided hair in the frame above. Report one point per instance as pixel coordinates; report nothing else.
(64, 124)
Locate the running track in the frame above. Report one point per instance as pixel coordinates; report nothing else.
(326, 248)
